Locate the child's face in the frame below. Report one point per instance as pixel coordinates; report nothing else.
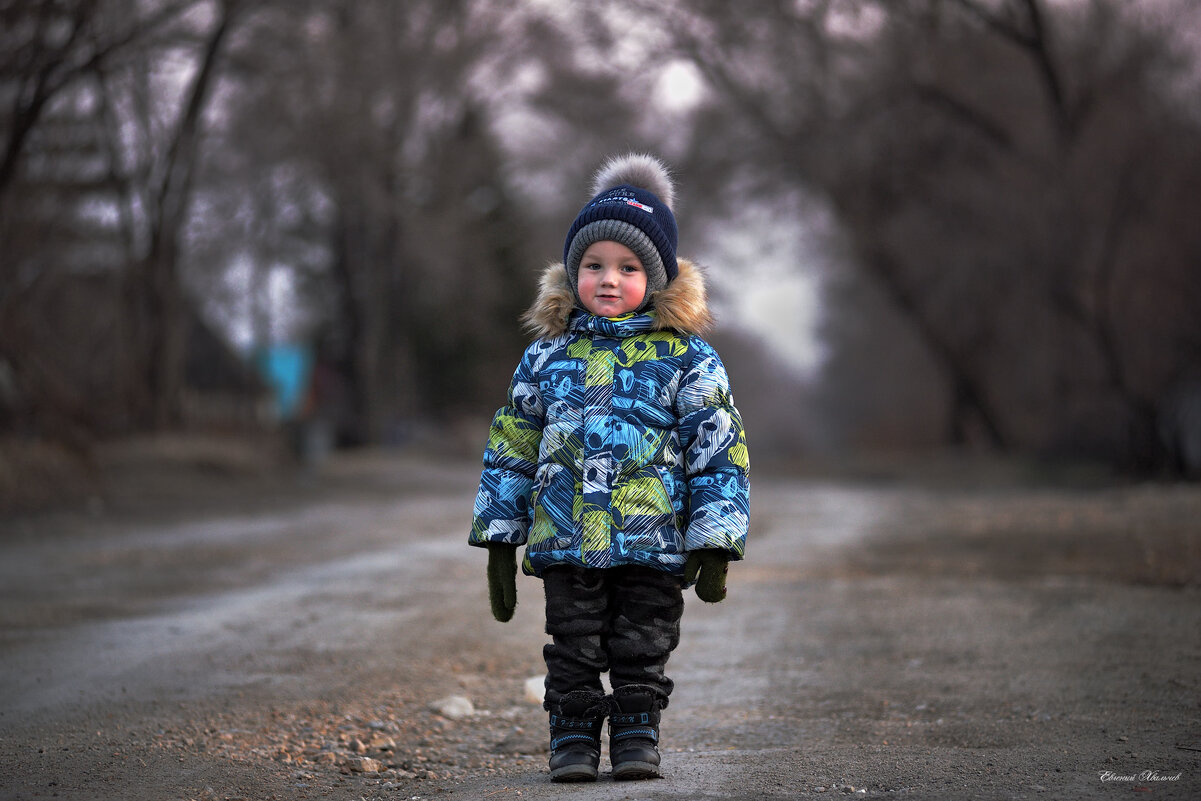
(612, 281)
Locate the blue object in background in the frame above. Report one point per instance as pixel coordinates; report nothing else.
(286, 368)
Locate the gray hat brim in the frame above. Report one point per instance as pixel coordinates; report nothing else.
(625, 234)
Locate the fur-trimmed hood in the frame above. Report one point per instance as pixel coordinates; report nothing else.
(682, 306)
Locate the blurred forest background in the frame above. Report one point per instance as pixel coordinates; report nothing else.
(929, 224)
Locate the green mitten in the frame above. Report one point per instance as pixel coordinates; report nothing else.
(502, 580)
(712, 566)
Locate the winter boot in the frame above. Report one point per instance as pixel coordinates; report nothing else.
(634, 733)
(575, 730)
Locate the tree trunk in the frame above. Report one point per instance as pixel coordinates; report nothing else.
(969, 404)
(168, 310)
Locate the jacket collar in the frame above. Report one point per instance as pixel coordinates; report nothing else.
(624, 326)
(681, 306)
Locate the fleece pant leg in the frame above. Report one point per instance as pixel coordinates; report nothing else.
(646, 608)
(577, 603)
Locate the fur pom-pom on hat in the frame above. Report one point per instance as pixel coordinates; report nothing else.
(632, 203)
(637, 169)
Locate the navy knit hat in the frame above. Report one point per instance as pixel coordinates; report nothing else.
(633, 195)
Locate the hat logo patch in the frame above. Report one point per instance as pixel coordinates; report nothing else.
(637, 205)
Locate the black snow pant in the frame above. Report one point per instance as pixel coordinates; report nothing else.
(624, 620)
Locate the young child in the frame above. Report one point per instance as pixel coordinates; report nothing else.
(621, 464)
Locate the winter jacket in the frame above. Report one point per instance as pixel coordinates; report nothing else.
(620, 443)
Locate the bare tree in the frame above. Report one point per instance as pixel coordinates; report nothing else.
(46, 47)
(988, 163)
(62, 174)
(164, 302)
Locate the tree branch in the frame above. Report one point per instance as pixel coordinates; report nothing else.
(1036, 42)
(964, 113)
(1004, 29)
(62, 67)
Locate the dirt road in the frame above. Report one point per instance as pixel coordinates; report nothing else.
(300, 639)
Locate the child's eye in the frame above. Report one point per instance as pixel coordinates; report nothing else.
(592, 266)
(629, 268)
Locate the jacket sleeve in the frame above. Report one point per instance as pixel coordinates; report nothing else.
(716, 461)
(501, 511)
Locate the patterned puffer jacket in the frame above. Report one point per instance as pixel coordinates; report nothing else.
(620, 443)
